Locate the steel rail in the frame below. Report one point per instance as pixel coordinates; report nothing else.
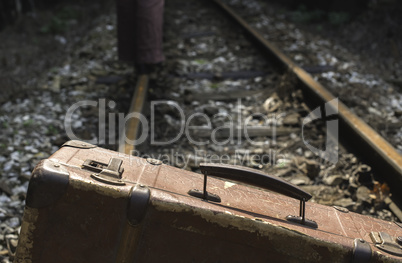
(354, 133)
(129, 134)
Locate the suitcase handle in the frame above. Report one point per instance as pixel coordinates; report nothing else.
(254, 177)
(257, 178)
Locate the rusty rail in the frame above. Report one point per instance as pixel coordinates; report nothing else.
(354, 133)
(130, 132)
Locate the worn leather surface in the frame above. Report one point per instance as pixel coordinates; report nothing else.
(249, 224)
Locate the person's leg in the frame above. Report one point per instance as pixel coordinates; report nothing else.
(148, 31)
(125, 29)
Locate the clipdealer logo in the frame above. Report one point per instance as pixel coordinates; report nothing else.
(330, 116)
(234, 128)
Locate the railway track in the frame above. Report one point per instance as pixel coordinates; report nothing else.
(258, 119)
(133, 124)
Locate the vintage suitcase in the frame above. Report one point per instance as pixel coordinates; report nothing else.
(88, 204)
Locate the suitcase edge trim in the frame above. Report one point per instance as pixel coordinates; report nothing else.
(137, 204)
(48, 184)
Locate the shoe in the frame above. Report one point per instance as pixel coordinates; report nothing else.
(145, 68)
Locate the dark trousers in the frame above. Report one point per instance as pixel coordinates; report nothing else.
(140, 29)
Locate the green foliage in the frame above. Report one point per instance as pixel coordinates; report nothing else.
(28, 123)
(200, 61)
(338, 18)
(68, 13)
(59, 22)
(51, 130)
(304, 15)
(215, 86)
(55, 26)
(54, 70)
(307, 16)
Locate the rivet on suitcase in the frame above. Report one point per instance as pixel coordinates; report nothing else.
(88, 204)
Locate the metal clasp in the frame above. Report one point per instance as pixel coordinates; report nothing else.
(204, 194)
(301, 219)
(108, 173)
(385, 242)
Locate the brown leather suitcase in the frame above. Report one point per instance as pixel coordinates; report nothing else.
(88, 204)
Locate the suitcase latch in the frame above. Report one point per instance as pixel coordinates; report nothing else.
(108, 173)
(385, 242)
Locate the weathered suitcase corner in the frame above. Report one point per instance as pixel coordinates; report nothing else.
(138, 204)
(48, 183)
(78, 144)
